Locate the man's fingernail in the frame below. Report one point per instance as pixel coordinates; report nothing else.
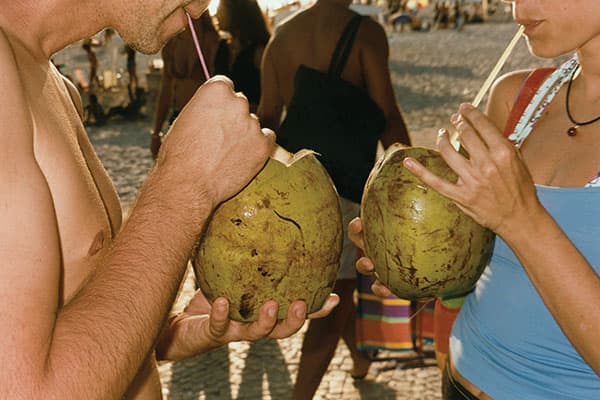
(221, 305)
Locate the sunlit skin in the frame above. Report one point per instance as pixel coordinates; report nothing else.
(496, 184)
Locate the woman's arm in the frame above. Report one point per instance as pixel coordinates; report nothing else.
(496, 189)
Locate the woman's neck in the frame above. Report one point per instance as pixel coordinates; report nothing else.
(589, 79)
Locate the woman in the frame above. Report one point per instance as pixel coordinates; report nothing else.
(530, 328)
(182, 74)
(245, 22)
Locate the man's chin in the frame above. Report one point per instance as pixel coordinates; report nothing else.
(147, 47)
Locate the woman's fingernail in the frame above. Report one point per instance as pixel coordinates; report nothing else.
(409, 163)
(442, 132)
(454, 118)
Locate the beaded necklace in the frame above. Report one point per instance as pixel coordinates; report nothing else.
(542, 98)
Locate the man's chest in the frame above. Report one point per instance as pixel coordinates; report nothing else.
(86, 205)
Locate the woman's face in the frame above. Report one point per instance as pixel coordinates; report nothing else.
(555, 27)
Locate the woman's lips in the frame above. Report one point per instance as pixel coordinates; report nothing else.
(529, 25)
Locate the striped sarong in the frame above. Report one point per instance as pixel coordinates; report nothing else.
(388, 323)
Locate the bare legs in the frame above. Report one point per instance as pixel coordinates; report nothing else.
(321, 339)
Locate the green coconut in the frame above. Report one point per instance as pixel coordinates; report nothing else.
(421, 243)
(280, 239)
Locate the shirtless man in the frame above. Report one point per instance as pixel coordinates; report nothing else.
(182, 74)
(84, 298)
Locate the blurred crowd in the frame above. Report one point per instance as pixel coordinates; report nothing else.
(233, 40)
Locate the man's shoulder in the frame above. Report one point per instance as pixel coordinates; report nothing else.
(7, 52)
(10, 75)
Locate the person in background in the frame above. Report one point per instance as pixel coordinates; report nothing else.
(303, 65)
(93, 112)
(86, 296)
(131, 110)
(182, 73)
(94, 81)
(108, 35)
(131, 67)
(246, 23)
(530, 328)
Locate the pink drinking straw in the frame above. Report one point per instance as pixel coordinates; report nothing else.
(197, 44)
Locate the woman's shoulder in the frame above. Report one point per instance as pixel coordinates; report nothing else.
(503, 95)
(371, 35)
(510, 83)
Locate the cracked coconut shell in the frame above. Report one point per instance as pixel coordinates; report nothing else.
(280, 238)
(421, 243)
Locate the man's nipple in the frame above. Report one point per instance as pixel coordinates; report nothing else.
(97, 244)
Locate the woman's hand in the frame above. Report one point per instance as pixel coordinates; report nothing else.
(202, 327)
(494, 185)
(364, 265)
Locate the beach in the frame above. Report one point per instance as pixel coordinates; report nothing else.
(432, 73)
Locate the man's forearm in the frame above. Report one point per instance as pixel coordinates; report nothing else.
(116, 317)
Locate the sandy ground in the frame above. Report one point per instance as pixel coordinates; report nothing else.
(432, 72)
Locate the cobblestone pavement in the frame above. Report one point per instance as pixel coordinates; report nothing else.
(432, 72)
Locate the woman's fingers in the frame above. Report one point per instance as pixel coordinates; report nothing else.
(379, 289)
(486, 130)
(365, 266)
(438, 184)
(469, 138)
(332, 301)
(453, 158)
(355, 233)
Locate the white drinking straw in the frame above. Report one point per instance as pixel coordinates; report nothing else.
(491, 78)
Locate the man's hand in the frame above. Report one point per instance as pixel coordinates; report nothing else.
(215, 142)
(202, 327)
(364, 265)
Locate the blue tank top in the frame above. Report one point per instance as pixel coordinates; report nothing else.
(504, 340)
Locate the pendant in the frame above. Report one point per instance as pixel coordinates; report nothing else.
(572, 131)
